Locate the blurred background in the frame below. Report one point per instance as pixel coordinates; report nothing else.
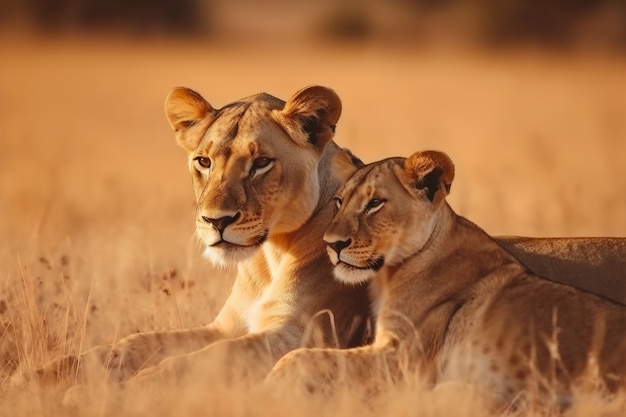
(528, 97)
(558, 22)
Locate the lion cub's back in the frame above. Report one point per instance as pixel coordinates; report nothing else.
(534, 333)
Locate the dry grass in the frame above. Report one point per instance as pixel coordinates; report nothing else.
(96, 206)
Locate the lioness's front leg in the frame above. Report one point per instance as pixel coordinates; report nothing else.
(144, 350)
(248, 358)
(123, 359)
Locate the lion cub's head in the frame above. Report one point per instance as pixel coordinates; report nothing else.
(386, 212)
(254, 164)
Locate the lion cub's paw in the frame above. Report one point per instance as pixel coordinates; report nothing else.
(170, 369)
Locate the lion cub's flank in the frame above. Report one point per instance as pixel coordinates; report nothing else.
(451, 303)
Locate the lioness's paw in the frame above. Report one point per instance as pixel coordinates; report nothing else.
(20, 378)
(63, 370)
(83, 399)
(75, 396)
(132, 354)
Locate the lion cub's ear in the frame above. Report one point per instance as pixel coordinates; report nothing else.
(432, 172)
(189, 115)
(310, 116)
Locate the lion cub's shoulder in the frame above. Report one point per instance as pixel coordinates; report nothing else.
(460, 303)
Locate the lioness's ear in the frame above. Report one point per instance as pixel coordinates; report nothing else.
(432, 172)
(311, 115)
(189, 115)
(344, 164)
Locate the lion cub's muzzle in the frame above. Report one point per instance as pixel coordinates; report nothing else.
(338, 245)
(334, 246)
(339, 253)
(352, 262)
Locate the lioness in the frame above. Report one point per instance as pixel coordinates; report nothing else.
(264, 172)
(450, 303)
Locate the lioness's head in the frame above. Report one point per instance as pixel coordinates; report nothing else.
(253, 164)
(387, 212)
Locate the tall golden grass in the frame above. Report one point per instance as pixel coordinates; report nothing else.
(96, 207)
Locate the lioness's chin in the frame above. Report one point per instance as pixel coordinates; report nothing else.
(349, 274)
(227, 255)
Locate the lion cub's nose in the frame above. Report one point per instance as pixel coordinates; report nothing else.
(339, 245)
(221, 223)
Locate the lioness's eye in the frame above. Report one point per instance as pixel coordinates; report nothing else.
(374, 205)
(261, 163)
(203, 162)
(338, 202)
(261, 166)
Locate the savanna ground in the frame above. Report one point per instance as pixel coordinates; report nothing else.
(96, 207)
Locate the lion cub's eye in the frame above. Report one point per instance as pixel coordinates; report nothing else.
(202, 162)
(374, 205)
(261, 166)
(338, 202)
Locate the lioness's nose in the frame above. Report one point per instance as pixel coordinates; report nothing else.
(223, 222)
(339, 245)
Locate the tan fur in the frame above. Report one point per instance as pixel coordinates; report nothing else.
(451, 304)
(272, 177)
(594, 264)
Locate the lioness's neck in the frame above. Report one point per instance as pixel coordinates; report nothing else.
(307, 241)
(328, 180)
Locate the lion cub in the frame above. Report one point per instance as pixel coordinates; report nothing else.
(451, 304)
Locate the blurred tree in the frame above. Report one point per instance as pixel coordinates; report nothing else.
(552, 22)
(428, 4)
(139, 16)
(547, 22)
(348, 19)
